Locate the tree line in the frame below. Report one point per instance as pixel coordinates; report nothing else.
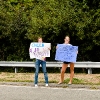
(22, 21)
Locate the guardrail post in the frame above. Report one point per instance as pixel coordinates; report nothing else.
(16, 69)
(89, 70)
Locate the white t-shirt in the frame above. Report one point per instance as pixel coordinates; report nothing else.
(68, 44)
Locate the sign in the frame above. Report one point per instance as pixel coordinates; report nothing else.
(39, 50)
(67, 53)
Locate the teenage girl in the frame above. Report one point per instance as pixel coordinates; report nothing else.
(65, 65)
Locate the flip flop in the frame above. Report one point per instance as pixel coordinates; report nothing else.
(69, 83)
(59, 83)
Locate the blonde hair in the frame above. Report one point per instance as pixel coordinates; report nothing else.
(39, 37)
(67, 36)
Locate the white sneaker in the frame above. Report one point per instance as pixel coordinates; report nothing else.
(46, 85)
(36, 85)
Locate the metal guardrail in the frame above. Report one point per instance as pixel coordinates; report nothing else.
(88, 65)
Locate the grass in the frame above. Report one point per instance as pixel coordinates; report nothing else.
(53, 81)
(8, 80)
(75, 81)
(93, 79)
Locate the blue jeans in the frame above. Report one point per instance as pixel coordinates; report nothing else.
(37, 65)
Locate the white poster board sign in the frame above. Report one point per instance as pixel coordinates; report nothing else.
(39, 50)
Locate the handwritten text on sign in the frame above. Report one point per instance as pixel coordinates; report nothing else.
(66, 53)
(39, 50)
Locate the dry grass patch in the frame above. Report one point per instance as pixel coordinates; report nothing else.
(53, 77)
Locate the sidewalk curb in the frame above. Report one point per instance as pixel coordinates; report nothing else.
(52, 85)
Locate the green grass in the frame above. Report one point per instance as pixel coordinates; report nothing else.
(75, 81)
(28, 77)
(93, 87)
(5, 80)
(53, 81)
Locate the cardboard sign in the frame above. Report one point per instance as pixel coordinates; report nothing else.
(39, 50)
(67, 53)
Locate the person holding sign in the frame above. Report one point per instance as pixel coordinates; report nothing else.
(65, 65)
(42, 61)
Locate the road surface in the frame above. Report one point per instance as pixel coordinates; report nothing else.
(9, 92)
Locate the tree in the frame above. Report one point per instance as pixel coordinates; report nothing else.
(22, 21)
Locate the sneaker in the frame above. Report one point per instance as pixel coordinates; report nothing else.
(46, 85)
(36, 85)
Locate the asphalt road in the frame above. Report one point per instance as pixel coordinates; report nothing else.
(9, 92)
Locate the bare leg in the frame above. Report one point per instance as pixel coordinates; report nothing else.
(63, 69)
(71, 72)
